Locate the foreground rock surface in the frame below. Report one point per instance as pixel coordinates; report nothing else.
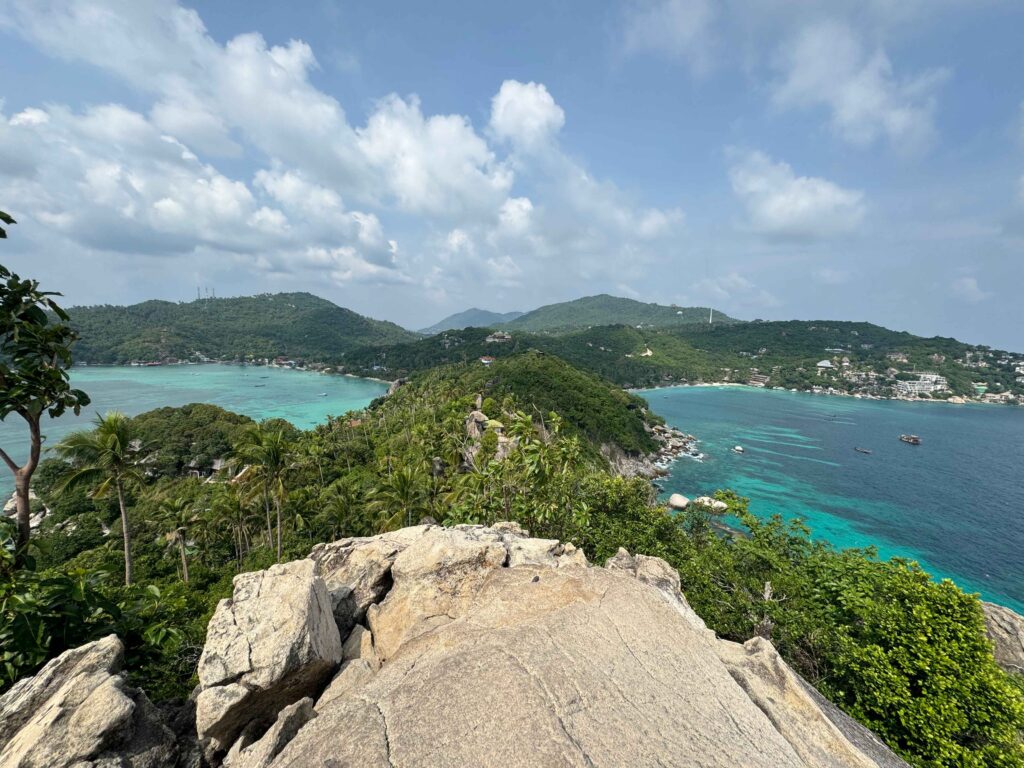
(497, 649)
(465, 646)
(77, 710)
(1006, 631)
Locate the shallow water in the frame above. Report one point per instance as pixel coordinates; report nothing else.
(955, 503)
(303, 398)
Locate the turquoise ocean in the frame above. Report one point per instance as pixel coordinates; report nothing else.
(303, 398)
(955, 503)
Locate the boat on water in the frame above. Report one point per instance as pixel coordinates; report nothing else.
(912, 439)
(323, 394)
(862, 450)
(738, 449)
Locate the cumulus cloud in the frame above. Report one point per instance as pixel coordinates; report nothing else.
(780, 203)
(967, 289)
(436, 165)
(309, 192)
(525, 114)
(827, 65)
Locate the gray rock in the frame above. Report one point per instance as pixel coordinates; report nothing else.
(77, 710)
(359, 645)
(274, 642)
(778, 692)
(353, 675)
(260, 753)
(484, 664)
(357, 571)
(664, 578)
(1006, 631)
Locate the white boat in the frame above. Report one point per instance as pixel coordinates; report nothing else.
(737, 449)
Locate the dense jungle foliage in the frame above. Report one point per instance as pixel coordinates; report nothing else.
(901, 653)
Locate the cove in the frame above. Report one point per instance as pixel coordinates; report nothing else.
(954, 503)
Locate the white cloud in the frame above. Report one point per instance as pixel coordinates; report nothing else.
(967, 289)
(679, 29)
(827, 65)
(780, 203)
(525, 114)
(503, 206)
(437, 165)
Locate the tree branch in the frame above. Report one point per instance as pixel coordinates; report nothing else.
(9, 461)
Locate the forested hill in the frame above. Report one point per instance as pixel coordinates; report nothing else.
(863, 357)
(471, 318)
(610, 310)
(295, 325)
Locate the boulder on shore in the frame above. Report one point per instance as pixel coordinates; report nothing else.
(678, 502)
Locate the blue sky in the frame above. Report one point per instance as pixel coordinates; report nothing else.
(847, 160)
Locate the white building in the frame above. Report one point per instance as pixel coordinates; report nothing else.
(926, 384)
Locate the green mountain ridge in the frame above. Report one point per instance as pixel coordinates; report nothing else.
(296, 325)
(471, 318)
(605, 309)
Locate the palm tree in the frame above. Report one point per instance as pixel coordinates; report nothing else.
(268, 453)
(401, 495)
(229, 509)
(105, 458)
(178, 516)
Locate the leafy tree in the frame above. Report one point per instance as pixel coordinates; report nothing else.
(106, 458)
(35, 352)
(6, 219)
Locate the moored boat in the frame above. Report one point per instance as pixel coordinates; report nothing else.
(912, 439)
(862, 450)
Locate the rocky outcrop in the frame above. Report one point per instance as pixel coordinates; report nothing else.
(78, 711)
(464, 646)
(1006, 631)
(272, 643)
(357, 571)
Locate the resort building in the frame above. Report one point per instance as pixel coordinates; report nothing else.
(926, 384)
(498, 337)
(486, 359)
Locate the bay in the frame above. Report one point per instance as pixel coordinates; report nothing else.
(955, 503)
(303, 398)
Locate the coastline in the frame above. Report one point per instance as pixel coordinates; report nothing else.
(185, 364)
(878, 398)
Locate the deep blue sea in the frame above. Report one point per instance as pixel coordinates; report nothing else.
(955, 503)
(303, 398)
